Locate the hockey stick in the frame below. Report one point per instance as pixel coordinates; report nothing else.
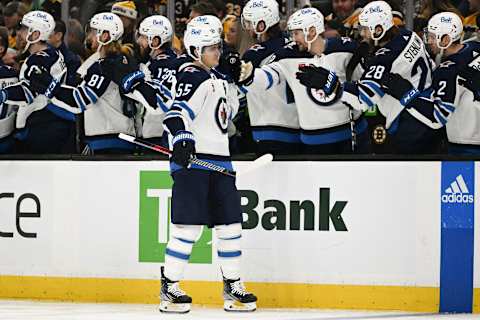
(156, 147)
(257, 163)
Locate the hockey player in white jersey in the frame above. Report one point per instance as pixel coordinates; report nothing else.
(42, 126)
(106, 113)
(273, 116)
(453, 100)
(197, 125)
(401, 51)
(324, 120)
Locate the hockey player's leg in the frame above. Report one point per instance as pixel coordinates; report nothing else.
(178, 251)
(236, 297)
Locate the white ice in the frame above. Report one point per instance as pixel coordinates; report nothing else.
(32, 310)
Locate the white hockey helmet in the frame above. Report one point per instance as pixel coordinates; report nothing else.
(256, 11)
(304, 19)
(442, 24)
(40, 21)
(210, 20)
(156, 26)
(376, 14)
(200, 36)
(109, 22)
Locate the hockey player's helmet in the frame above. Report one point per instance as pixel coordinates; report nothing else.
(442, 24)
(304, 19)
(156, 26)
(200, 36)
(40, 21)
(213, 21)
(256, 11)
(110, 22)
(376, 14)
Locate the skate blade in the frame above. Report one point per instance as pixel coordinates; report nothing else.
(169, 307)
(236, 306)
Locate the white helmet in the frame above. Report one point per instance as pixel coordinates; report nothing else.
(40, 21)
(200, 36)
(156, 26)
(206, 20)
(445, 23)
(304, 19)
(107, 21)
(374, 14)
(256, 11)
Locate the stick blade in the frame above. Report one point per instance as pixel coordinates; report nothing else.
(126, 137)
(256, 164)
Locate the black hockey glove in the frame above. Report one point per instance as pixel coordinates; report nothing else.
(116, 68)
(233, 62)
(42, 82)
(470, 79)
(318, 78)
(399, 88)
(183, 148)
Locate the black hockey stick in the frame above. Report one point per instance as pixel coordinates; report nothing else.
(156, 147)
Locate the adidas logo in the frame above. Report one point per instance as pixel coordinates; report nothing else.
(457, 192)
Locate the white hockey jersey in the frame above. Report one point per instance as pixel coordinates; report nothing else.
(406, 55)
(448, 103)
(21, 94)
(205, 104)
(323, 119)
(273, 115)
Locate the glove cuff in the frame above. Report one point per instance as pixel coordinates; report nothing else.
(183, 136)
(52, 88)
(131, 79)
(409, 96)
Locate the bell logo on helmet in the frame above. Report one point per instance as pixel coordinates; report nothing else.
(306, 10)
(41, 15)
(376, 9)
(196, 32)
(157, 22)
(257, 4)
(446, 20)
(107, 17)
(202, 19)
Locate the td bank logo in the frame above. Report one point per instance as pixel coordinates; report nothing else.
(154, 226)
(272, 214)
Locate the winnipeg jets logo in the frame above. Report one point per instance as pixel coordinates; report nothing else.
(256, 47)
(446, 64)
(222, 115)
(319, 97)
(346, 40)
(382, 51)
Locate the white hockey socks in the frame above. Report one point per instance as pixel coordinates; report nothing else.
(179, 248)
(229, 250)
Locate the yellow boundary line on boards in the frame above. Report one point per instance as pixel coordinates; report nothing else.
(476, 300)
(271, 295)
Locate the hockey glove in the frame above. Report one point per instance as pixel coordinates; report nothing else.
(130, 81)
(470, 79)
(318, 78)
(42, 82)
(183, 148)
(233, 62)
(116, 68)
(399, 88)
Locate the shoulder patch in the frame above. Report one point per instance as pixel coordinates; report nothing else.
(343, 44)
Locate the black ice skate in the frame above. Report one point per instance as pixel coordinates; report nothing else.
(173, 299)
(236, 297)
